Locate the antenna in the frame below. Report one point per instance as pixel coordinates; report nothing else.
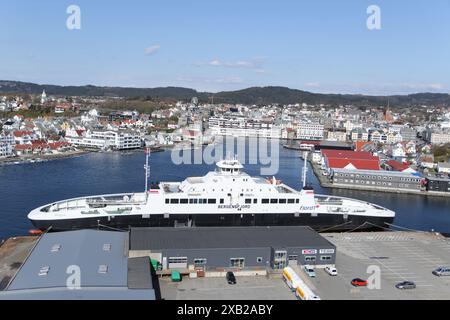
(305, 168)
(147, 167)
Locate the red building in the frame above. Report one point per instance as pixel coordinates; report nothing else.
(352, 160)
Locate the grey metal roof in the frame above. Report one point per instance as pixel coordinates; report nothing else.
(139, 273)
(225, 237)
(85, 249)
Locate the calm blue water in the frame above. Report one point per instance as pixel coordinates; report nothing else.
(25, 187)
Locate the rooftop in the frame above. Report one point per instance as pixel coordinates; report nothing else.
(101, 257)
(229, 237)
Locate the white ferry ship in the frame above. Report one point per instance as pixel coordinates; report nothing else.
(226, 197)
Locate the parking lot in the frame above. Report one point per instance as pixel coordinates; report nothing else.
(400, 256)
(246, 288)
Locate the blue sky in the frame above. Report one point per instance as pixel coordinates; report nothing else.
(212, 45)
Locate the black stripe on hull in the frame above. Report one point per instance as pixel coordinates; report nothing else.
(331, 222)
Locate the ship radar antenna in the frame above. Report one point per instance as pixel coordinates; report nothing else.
(147, 167)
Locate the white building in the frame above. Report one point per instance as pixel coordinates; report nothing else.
(443, 167)
(6, 150)
(243, 127)
(117, 140)
(310, 131)
(440, 138)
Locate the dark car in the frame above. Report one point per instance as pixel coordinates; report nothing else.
(358, 282)
(406, 285)
(231, 279)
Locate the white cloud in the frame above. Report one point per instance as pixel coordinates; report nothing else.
(312, 84)
(255, 64)
(152, 50)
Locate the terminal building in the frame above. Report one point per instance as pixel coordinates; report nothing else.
(232, 248)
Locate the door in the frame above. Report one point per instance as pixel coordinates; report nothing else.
(280, 260)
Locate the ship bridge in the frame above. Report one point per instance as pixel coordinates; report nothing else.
(228, 177)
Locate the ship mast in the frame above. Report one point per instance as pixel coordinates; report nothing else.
(305, 168)
(147, 168)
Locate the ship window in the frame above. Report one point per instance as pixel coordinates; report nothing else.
(282, 200)
(273, 201)
(167, 201)
(174, 201)
(265, 201)
(191, 201)
(222, 201)
(325, 258)
(310, 258)
(211, 201)
(297, 200)
(205, 201)
(184, 201)
(248, 201)
(255, 201)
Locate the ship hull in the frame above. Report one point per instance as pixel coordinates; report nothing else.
(322, 222)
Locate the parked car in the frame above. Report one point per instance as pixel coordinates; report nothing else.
(358, 282)
(231, 279)
(406, 285)
(442, 271)
(332, 271)
(309, 271)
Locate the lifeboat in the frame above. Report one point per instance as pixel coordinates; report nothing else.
(274, 181)
(35, 232)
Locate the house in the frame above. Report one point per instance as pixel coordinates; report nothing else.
(21, 149)
(23, 136)
(443, 167)
(62, 108)
(427, 161)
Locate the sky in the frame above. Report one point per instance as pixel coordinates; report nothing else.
(216, 45)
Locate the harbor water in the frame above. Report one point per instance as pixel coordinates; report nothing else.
(27, 186)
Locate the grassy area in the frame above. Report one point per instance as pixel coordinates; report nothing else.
(442, 153)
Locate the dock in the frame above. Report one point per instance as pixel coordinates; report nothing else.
(13, 252)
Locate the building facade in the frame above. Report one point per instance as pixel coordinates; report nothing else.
(310, 131)
(117, 140)
(377, 179)
(233, 248)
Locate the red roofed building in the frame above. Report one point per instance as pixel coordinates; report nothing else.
(400, 167)
(350, 160)
(22, 148)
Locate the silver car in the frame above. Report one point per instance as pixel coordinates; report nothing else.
(406, 285)
(442, 271)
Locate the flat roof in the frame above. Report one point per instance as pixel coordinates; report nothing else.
(86, 249)
(225, 237)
